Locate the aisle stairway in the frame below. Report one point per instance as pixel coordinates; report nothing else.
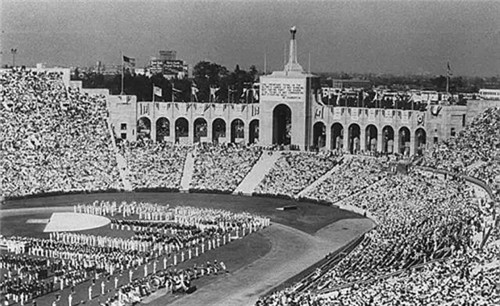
(124, 171)
(187, 173)
(259, 170)
(120, 160)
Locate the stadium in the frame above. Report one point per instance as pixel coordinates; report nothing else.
(300, 204)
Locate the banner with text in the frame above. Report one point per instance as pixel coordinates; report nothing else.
(283, 90)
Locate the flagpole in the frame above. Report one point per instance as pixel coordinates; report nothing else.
(123, 68)
(265, 63)
(309, 64)
(154, 118)
(284, 56)
(448, 77)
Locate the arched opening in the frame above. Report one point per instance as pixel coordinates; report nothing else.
(254, 131)
(337, 137)
(282, 125)
(143, 128)
(353, 137)
(162, 129)
(371, 138)
(200, 129)
(420, 141)
(181, 130)
(388, 140)
(319, 135)
(404, 141)
(218, 130)
(237, 131)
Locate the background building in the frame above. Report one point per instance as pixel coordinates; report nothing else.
(168, 65)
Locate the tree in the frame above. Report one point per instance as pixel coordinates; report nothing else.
(206, 75)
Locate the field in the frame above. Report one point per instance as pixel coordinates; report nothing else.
(259, 262)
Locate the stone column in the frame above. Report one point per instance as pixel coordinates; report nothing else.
(328, 138)
(153, 128)
(346, 139)
(362, 139)
(397, 145)
(209, 131)
(379, 140)
(413, 143)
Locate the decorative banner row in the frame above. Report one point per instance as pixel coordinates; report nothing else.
(355, 113)
(145, 108)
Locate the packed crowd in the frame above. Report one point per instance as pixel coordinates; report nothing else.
(422, 219)
(468, 279)
(293, 172)
(475, 151)
(222, 167)
(52, 139)
(154, 165)
(351, 177)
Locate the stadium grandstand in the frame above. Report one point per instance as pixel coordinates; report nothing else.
(436, 239)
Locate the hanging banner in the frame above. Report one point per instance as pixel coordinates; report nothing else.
(388, 115)
(219, 109)
(255, 110)
(144, 109)
(354, 114)
(337, 113)
(405, 117)
(319, 113)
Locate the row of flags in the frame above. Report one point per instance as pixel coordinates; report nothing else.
(248, 93)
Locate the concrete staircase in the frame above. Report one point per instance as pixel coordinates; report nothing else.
(187, 173)
(258, 172)
(124, 171)
(120, 160)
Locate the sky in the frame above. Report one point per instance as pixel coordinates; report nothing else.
(397, 37)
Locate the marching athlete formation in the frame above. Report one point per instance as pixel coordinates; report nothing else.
(149, 237)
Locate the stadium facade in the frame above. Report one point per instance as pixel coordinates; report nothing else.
(289, 113)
